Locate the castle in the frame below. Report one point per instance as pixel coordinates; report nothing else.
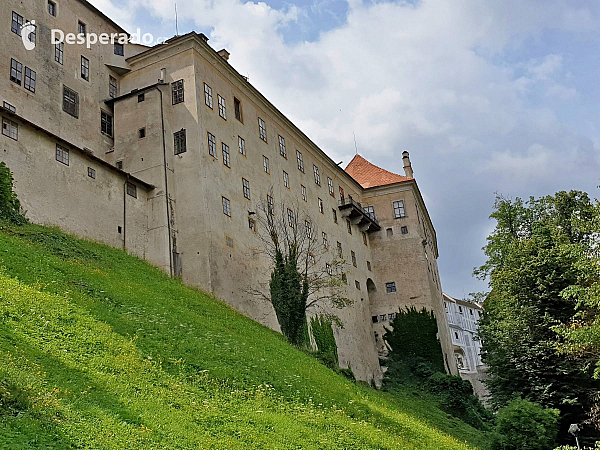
(165, 151)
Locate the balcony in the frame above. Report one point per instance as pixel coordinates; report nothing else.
(353, 211)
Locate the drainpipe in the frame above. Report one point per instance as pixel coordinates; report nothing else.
(164, 147)
(125, 212)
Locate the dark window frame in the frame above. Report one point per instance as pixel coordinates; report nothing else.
(180, 142)
(16, 72)
(8, 126)
(85, 68)
(70, 101)
(62, 155)
(29, 79)
(106, 123)
(177, 92)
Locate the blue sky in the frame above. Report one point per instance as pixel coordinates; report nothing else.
(487, 96)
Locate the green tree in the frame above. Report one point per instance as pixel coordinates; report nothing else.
(531, 262)
(10, 207)
(524, 425)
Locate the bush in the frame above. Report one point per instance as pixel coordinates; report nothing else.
(10, 207)
(525, 425)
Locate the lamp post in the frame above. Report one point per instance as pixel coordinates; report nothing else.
(574, 429)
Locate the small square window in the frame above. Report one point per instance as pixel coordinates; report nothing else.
(404, 230)
(177, 92)
(91, 173)
(382, 317)
(179, 142)
(10, 129)
(390, 287)
(132, 190)
(119, 49)
(141, 97)
(119, 165)
(62, 155)
(375, 319)
(10, 107)
(142, 133)
(226, 206)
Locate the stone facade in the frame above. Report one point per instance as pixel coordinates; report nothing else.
(158, 129)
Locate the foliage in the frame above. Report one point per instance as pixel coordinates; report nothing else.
(531, 261)
(304, 274)
(415, 358)
(102, 350)
(414, 335)
(322, 331)
(10, 207)
(524, 425)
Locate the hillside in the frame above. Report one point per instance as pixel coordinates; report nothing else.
(102, 350)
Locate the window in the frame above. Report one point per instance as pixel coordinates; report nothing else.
(51, 8)
(399, 209)
(179, 141)
(321, 206)
(119, 49)
(229, 241)
(212, 145)
(141, 97)
(300, 161)
(252, 224)
(226, 156)
(390, 287)
(339, 250)
(32, 34)
(226, 206)
(404, 230)
(349, 226)
(266, 164)
(222, 109)
(344, 278)
(370, 211)
(303, 188)
(119, 165)
(177, 92)
(91, 172)
(132, 190)
(334, 215)
(391, 316)
(286, 179)
(62, 155)
(311, 259)
(29, 79)
(10, 107)
(369, 266)
(237, 107)
(282, 150)
(353, 255)
(80, 27)
(357, 284)
(262, 129)
(59, 52)
(328, 269)
(325, 241)
(375, 319)
(142, 133)
(106, 123)
(330, 185)
(16, 71)
(317, 176)
(270, 205)
(112, 87)
(309, 229)
(382, 317)
(85, 68)
(10, 129)
(291, 219)
(364, 235)
(208, 98)
(242, 145)
(246, 188)
(389, 232)
(342, 198)
(17, 23)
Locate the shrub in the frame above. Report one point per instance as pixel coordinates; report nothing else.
(525, 425)
(10, 207)
(322, 331)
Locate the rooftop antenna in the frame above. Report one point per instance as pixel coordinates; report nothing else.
(176, 21)
(355, 146)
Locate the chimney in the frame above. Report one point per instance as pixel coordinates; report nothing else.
(163, 76)
(407, 166)
(224, 54)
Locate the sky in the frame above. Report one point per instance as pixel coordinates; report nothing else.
(487, 96)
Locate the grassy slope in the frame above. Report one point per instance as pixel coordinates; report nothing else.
(101, 350)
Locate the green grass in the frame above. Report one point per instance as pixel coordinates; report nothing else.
(101, 350)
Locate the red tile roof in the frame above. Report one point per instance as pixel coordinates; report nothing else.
(369, 175)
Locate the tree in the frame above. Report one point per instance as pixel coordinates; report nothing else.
(531, 261)
(305, 275)
(10, 207)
